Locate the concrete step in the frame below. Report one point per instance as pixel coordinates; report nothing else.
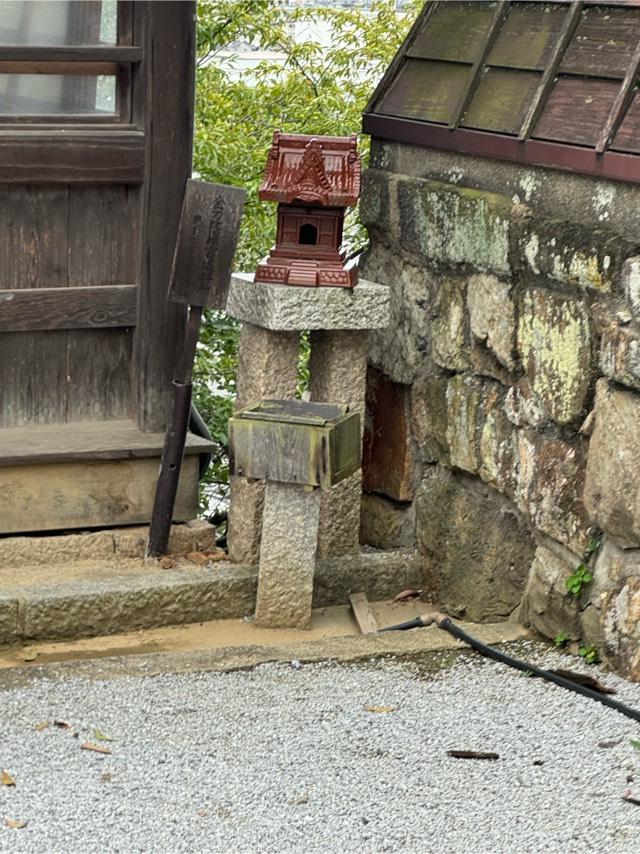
(68, 599)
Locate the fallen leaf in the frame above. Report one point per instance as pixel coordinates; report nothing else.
(538, 762)
(635, 744)
(105, 777)
(628, 796)
(201, 813)
(167, 562)
(62, 725)
(15, 824)
(630, 778)
(380, 710)
(472, 754)
(201, 558)
(408, 594)
(587, 681)
(42, 725)
(6, 779)
(101, 736)
(29, 655)
(96, 748)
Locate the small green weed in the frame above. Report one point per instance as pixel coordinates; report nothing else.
(578, 579)
(589, 653)
(561, 639)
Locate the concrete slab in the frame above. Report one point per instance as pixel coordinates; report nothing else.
(286, 308)
(237, 644)
(80, 600)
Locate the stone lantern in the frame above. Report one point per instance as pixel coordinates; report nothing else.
(313, 179)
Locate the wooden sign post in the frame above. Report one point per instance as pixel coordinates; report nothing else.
(202, 266)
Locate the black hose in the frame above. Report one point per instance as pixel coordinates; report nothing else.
(491, 652)
(410, 624)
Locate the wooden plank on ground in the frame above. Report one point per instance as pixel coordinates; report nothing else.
(363, 614)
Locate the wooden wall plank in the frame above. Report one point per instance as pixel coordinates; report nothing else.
(88, 494)
(33, 254)
(99, 362)
(38, 309)
(426, 90)
(163, 99)
(38, 157)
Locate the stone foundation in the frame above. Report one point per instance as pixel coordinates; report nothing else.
(515, 343)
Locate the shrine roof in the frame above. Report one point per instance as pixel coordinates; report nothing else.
(317, 170)
(554, 83)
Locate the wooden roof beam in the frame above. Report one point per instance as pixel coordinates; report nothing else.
(549, 76)
(499, 15)
(621, 103)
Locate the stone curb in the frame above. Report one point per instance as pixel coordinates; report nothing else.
(119, 604)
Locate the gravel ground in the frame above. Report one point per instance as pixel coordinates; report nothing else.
(288, 758)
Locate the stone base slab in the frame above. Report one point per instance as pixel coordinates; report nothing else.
(287, 308)
(113, 603)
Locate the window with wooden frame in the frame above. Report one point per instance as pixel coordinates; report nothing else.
(554, 83)
(65, 61)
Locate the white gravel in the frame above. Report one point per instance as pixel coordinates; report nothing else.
(286, 758)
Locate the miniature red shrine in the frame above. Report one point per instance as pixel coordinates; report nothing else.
(313, 179)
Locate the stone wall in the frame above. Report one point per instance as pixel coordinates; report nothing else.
(514, 351)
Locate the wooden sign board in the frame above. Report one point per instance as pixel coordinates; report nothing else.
(207, 238)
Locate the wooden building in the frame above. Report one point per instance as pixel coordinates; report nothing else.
(96, 118)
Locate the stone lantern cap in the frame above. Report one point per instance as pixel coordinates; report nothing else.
(286, 308)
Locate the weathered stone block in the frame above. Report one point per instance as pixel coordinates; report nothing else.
(401, 350)
(290, 308)
(374, 198)
(620, 355)
(388, 464)
(498, 445)
(586, 258)
(455, 225)
(429, 419)
(287, 556)
(554, 340)
(338, 369)
(267, 364)
(194, 536)
(386, 524)
(127, 603)
(621, 626)
(612, 487)
(245, 520)
(631, 285)
(547, 605)
(9, 628)
(339, 528)
(550, 484)
(477, 550)
(381, 575)
(464, 422)
(523, 407)
(267, 368)
(448, 325)
(492, 316)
